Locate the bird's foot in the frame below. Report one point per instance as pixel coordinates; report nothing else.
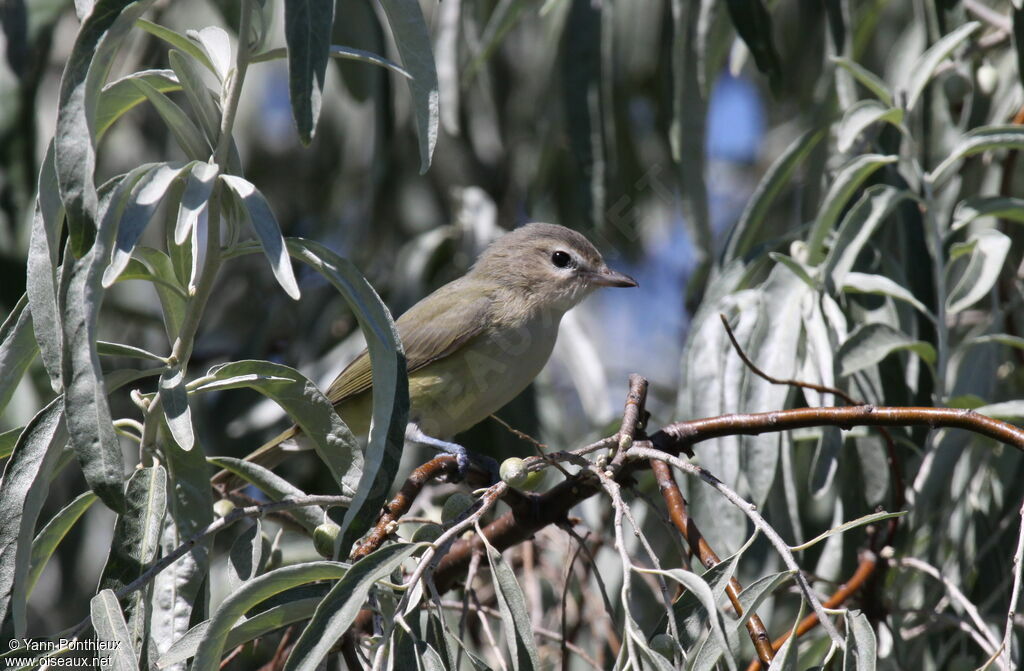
(462, 456)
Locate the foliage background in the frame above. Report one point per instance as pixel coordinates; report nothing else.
(649, 127)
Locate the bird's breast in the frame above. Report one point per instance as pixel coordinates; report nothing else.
(452, 394)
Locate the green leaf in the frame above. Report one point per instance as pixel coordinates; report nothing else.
(746, 231)
(200, 97)
(975, 207)
(140, 206)
(122, 95)
(857, 227)
(245, 559)
(976, 141)
(923, 69)
(87, 408)
(988, 249)
(23, 488)
(862, 114)
(53, 533)
(846, 526)
(211, 647)
(173, 297)
(94, 49)
(390, 384)
(174, 400)
(118, 349)
(867, 79)
(264, 224)
(135, 544)
(305, 404)
(351, 54)
(794, 267)
(870, 343)
(342, 604)
(43, 259)
(179, 41)
(307, 32)
(754, 26)
(275, 487)
(188, 136)
(700, 589)
(254, 627)
(879, 285)
(1007, 410)
(8, 439)
(107, 620)
(179, 592)
(861, 646)
(755, 594)
(413, 40)
(846, 183)
(515, 617)
(17, 349)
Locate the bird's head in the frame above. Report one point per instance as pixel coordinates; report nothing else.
(554, 266)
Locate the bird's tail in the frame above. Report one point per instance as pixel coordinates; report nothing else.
(269, 455)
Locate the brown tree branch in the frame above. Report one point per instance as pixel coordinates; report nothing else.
(676, 505)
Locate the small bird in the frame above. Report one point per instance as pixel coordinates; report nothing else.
(475, 343)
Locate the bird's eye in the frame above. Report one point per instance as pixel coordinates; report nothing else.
(561, 259)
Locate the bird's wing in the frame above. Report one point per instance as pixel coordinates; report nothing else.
(444, 321)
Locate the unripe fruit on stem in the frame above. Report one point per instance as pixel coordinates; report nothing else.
(457, 503)
(513, 473)
(664, 645)
(223, 508)
(324, 537)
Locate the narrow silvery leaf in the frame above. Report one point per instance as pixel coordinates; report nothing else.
(348, 53)
(990, 248)
(217, 46)
(178, 592)
(342, 604)
(1003, 207)
(43, 260)
(976, 141)
(870, 343)
(94, 49)
(694, 583)
(50, 536)
(846, 183)
(254, 627)
(390, 384)
(87, 408)
(202, 100)
(754, 26)
(191, 140)
(173, 297)
(413, 40)
(211, 647)
(861, 115)
(174, 399)
(826, 460)
(108, 621)
(143, 200)
(264, 224)
(867, 79)
(515, 616)
(122, 95)
(745, 233)
(179, 41)
(17, 349)
(305, 404)
(307, 32)
(861, 646)
(862, 283)
(245, 558)
(135, 544)
(757, 592)
(23, 488)
(856, 229)
(275, 487)
(198, 189)
(921, 72)
(846, 526)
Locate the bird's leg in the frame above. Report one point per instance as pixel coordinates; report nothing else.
(414, 434)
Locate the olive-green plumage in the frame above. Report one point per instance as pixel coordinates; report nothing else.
(475, 343)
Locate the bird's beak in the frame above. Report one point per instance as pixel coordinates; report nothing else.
(606, 277)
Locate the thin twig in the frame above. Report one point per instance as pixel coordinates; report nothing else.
(632, 417)
(639, 452)
(565, 600)
(699, 546)
(1018, 559)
